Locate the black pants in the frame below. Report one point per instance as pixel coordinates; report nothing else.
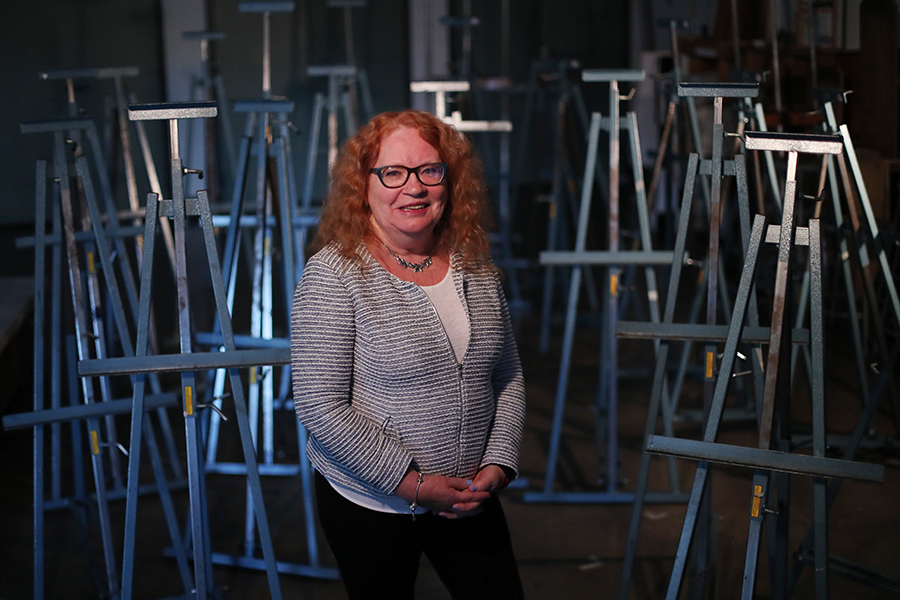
(378, 553)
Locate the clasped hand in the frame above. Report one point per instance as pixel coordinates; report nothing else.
(452, 497)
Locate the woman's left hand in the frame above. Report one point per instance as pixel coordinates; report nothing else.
(489, 479)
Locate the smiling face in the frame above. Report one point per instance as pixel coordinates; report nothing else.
(405, 217)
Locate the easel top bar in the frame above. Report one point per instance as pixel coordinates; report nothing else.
(212, 36)
(477, 126)
(171, 110)
(833, 95)
(718, 90)
(265, 105)
(613, 75)
(742, 76)
(64, 124)
(265, 6)
(331, 70)
(91, 73)
(807, 143)
(439, 86)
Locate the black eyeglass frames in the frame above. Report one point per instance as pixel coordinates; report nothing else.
(395, 176)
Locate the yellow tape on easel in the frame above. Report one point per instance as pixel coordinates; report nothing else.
(188, 401)
(757, 501)
(709, 364)
(95, 443)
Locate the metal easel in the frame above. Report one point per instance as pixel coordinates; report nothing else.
(710, 332)
(275, 210)
(341, 79)
(854, 234)
(91, 149)
(612, 259)
(180, 209)
(676, 100)
(548, 83)
(348, 91)
(713, 275)
(359, 95)
(567, 98)
(88, 332)
(506, 260)
(773, 452)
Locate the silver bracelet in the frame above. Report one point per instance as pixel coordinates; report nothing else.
(415, 503)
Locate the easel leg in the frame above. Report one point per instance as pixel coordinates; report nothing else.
(656, 396)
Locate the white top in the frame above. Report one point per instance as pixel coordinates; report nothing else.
(453, 317)
(451, 312)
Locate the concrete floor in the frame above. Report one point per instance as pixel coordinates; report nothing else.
(564, 550)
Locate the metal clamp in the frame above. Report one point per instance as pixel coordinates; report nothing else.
(215, 408)
(115, 445)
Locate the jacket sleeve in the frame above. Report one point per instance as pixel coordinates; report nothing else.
(323, 333)
(509, 392)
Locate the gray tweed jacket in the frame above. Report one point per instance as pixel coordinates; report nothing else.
(378, 387)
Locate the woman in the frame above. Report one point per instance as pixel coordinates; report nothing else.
(405, 370)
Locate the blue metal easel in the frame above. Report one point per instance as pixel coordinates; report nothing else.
(179, 209)
(611, 259)
(276, 209)
(771, 454)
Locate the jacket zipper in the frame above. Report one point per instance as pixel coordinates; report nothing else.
(459, 378)
(459, 394)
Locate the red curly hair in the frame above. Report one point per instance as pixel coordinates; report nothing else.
(463, 227)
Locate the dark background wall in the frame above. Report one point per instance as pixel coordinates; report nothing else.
(47, 34)
(56, 34)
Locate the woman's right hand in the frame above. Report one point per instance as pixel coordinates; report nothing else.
(440, 493)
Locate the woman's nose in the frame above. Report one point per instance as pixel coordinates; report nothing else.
(413, 185)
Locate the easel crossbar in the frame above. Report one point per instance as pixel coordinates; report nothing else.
(758, 458)
(605, 257)
(84, 411)
(700, 332)
(193, 361)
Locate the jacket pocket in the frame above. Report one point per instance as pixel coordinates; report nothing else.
(388, 429)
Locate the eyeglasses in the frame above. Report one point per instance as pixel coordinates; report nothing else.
(394, 176)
